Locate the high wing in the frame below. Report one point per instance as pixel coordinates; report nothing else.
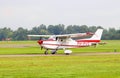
(65, 35)
(39, 35)
(76, 35)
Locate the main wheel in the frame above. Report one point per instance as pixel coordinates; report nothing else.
(53, 51)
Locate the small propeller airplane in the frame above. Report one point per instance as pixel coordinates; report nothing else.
(66, 41)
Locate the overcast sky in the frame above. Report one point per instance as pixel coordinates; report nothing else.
(31, 13)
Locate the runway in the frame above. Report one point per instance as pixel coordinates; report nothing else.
(73, 54)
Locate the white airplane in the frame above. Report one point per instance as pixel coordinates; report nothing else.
(56, 42)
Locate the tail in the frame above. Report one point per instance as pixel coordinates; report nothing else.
(97, 35)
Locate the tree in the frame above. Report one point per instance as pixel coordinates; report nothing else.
(51, 29)
(84, 28)
(69, 29)
(20, 34)
(105, 35)
(5, 33)
(76, 28)
(112, 33)
(57, 29)
(92, 28)
(118, 34)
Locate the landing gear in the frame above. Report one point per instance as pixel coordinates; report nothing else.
(53, 51)
(46, 52)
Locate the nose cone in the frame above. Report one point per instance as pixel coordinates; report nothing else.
(40, 41)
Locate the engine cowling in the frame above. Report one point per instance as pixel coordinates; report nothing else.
(40, 41)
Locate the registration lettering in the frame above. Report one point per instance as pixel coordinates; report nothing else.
(83, 43)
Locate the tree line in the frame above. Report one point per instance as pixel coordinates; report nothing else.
(21, 33)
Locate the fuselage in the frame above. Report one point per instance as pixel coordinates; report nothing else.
(67, 43)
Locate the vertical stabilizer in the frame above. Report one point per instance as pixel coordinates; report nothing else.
(97, 35)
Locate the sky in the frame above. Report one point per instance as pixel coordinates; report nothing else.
(31, 13)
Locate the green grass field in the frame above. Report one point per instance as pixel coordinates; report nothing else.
(99, 66)
(63, 66)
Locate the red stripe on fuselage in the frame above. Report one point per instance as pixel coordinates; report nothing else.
(87, 40)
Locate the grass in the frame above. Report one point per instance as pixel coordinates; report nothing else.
(99, 66)
(72, 66)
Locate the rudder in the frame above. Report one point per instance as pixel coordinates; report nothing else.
(97, 35)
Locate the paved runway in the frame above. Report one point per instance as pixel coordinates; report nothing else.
(73, 54)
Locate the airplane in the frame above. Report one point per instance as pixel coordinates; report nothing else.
(66, 41)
